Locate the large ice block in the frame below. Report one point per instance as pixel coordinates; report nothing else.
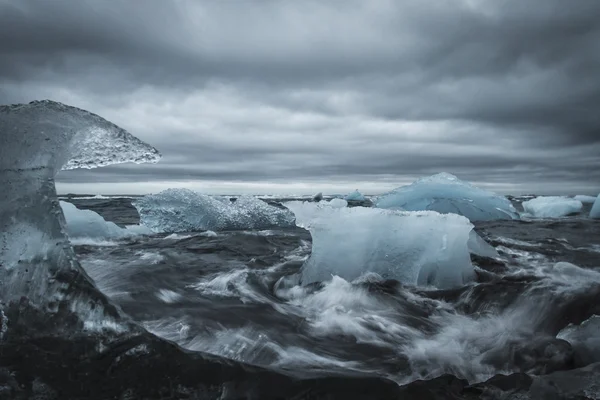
(416, 248)
(37, 261)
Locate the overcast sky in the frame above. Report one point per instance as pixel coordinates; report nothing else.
(304, 96)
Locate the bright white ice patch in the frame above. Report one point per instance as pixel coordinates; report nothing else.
(552, 206)
(418, 248)
(183, 210)
(445, 193)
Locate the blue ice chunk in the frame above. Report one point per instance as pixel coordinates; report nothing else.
(355, 196)
(445, 193)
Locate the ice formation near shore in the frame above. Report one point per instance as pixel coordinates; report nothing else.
(552, 206)
(416, 248)
(88, 224)
(183, 210)
(445, 193)
(36, 141)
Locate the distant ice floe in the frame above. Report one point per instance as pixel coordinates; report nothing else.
(183, 210)
(83, 225)
(417, 248)
(445, 193)
(552, 206)
(355, 196)
(595, 212)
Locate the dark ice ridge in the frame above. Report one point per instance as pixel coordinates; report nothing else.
(61, 338)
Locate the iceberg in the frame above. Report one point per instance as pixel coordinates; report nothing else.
(183, 210)
(89, 224)
(445, 193)
(416, 248)
(585, 199)
(595, 211)
(355, 196)
(38, 262)
(552, 206)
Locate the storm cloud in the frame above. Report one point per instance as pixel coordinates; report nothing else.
(288, 96)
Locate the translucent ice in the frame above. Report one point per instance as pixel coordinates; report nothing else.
(183, 210)
(585, 199)
(355, 196)
(445, 193)
(37, 261)
(88, 224)
(419, 248)
(595, 212)
(552, 206)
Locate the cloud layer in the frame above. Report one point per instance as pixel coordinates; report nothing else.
(286, 96)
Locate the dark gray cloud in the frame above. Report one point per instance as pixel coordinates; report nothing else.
(279, 95)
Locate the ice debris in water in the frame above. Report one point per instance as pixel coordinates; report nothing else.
(355, 196)
(445, 193)
(585, 199)
(595, 212)
(89, 224)
(183, 210)
(36, 141)
(552, 206)
(418, 248)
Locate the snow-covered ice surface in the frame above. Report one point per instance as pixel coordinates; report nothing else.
(595, 211)
(183, 210)
(552, 206)
(36, 141)
(445, 193)
(416, 248)
(82, 224)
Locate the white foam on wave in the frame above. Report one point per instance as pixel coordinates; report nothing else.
(253, 346)
(150, 256)
(86, 241)
(168, 296)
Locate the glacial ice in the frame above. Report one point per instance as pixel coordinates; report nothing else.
(183, 210)
(445, 193)
(595, 212)
(88, 224)
(355, 196)
(337, 203)
(552, 206)
(418, 248)
(36, 141)
(585, 199)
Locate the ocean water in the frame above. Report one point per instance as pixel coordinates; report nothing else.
(229, 294)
